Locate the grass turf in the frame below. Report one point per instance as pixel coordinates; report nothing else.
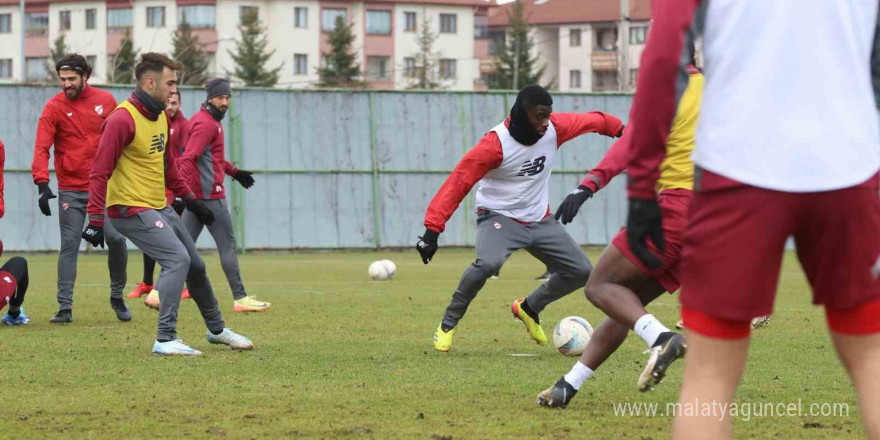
(339, 356)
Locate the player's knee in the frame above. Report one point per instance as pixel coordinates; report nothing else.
(70, 244)
(488, 267)
(115, 240)
(197, 265)
(582, 272)
(181, 263)
(593, 293)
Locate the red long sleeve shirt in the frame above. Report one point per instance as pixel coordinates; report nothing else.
(488, 154)
(203, 161)
(2, 185)
(118, 132)
(74, 127)
(177, 127)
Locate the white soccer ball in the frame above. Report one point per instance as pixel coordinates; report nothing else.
(382, 270)
(571, 335)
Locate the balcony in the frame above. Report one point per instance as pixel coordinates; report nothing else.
(604, 60)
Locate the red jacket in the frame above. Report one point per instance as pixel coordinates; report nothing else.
(74, 127)
(2, 187)
(118, 133)
(177, 128)
(203, 162)
(488, 155)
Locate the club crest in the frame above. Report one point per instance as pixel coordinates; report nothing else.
(159, 224)
(497, 225)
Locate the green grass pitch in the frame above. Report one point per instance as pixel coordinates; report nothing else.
(340, 356)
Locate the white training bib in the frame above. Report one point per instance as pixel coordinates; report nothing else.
(519, 188)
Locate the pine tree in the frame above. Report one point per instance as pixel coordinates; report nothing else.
(425, 74)
(58, 50)
(121, 70)
(251, 55)
(189, 52)
(341, 69)
(517, 45)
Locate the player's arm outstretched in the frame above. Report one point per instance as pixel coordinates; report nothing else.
(244, 178)
(612, 164)
(485, 156)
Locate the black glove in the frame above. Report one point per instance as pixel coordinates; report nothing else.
(572, 203)
(178, 205)
(620, 133)
(644, 221)
(201, 211)
(94, 235)
(45, 194)
(245, 178)
(427, 245)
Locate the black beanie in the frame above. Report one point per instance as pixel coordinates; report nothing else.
(520, 128)
(217, 87)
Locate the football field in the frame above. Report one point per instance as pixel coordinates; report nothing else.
(340, 356)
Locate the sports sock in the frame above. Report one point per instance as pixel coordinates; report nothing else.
(149, 267)
(163, 340)
(525, 307)
(578, 375)
(649, 328)
(215, 333)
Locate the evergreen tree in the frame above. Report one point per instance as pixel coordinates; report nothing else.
(121, 70)
(341, 69)
(58, 50)
(425, 74)
(517, 45)
(189, 52)
(251, 55)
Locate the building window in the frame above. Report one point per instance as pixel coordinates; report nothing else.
(300, 64)
(409, 66)
(244, 11)
(496, 42)
(64, 20)
(604, 80)
(574, 38)
(328, 18)
(606, 39)
(379, 22)
(93, 61)
(301, 18)
(448, 23)
(6, 68)
(481, 26)
(35, 69)
(198, 16)
(637, 35)
(91, 18)
(156, 16)
(36, 23)
(574, 79)
(5, 23)
(410, 19)
(633, 78)
(119, 19)
(447, 68)
(377, 68)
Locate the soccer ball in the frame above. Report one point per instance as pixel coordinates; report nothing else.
(571, 335)
(382, 270)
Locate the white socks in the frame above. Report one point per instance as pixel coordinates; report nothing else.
(578, 375)
(649, 328)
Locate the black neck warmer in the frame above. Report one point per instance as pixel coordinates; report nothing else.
(215, 112)
(520, 128)
(154, 107)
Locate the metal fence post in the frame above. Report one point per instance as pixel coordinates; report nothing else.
(377, 211)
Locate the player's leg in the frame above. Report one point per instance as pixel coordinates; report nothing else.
(856, 336)
(497, 237)
(202, 292)
(17, 269)
(146, 285)
(71, 220)
(571, 267)
(192, 224)
(117, 262)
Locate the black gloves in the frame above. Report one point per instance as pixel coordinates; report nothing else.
(572, 203)
(94, 235)
(45, 194)
(244, 178)
(620, 133)
(178, 205)
(201, 211)
(427, 245)
(643, 222)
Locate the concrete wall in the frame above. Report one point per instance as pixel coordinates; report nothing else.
(335, 169)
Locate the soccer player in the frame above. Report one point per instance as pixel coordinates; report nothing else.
(513, 163)
(620, 284)
(204, 165)
(177, 126)
(14, 273)
(71, 121)
(132, 169)
(778, 155)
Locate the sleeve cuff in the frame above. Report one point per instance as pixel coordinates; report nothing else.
(96, 220)
(592, 183)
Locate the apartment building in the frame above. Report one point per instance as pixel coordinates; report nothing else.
(386, 33)
(585, 45)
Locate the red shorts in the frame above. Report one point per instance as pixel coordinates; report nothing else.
(736, 235)
(673, 210)
(7, 288)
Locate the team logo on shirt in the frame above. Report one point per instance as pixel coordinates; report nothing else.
(157, 145)
(70, 115)
(99, 109)
(218, 189)
(171, 131)
(7, 280)
(159, 224)
(532, 167)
